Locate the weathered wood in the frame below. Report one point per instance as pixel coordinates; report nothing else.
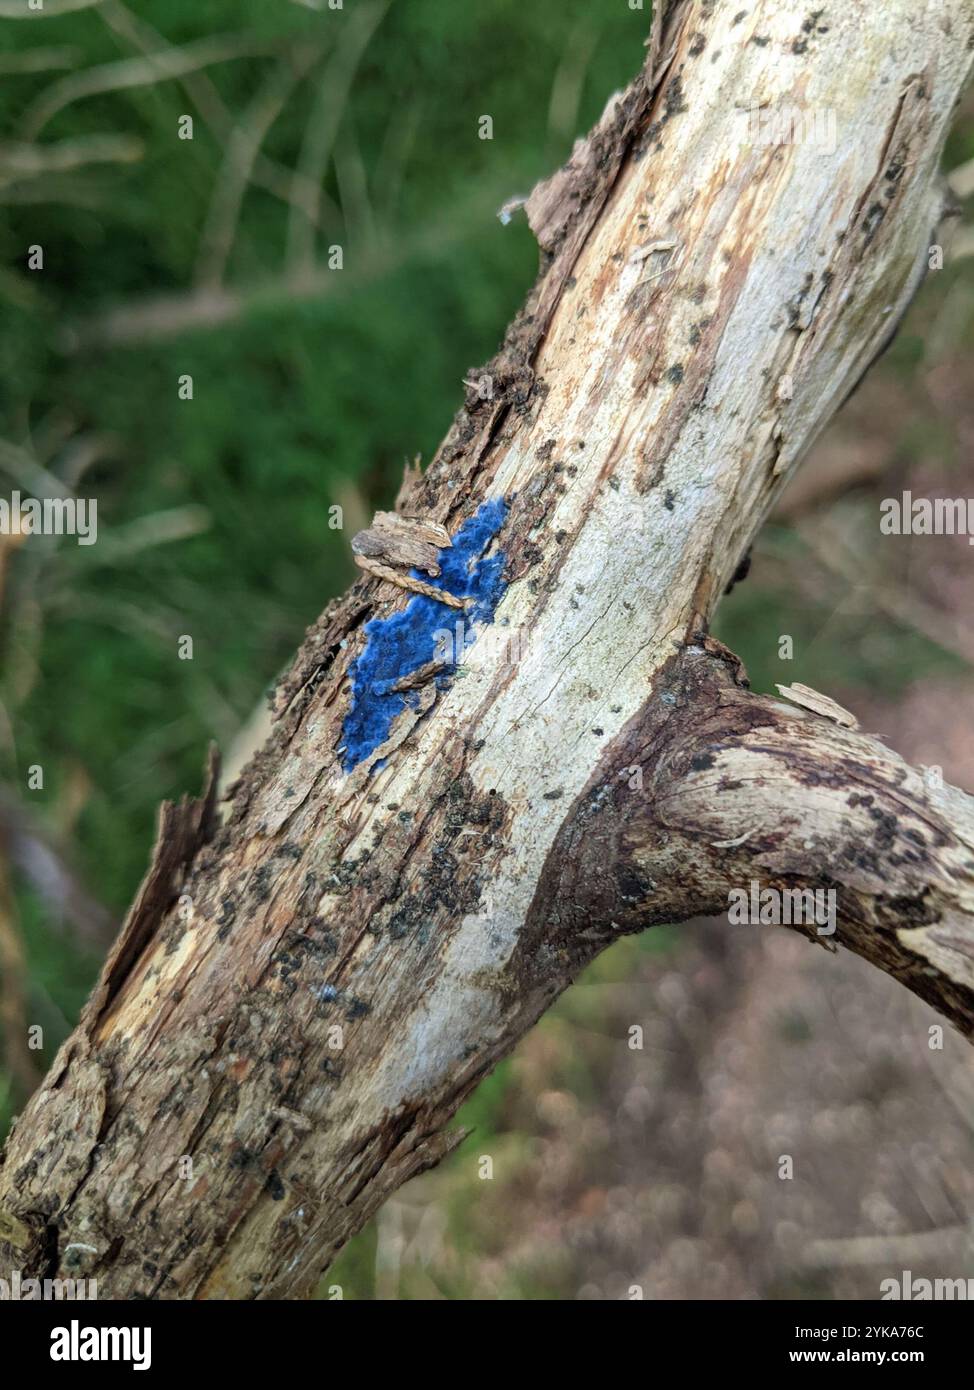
(715, 789)
(333, 969)
(403, 540)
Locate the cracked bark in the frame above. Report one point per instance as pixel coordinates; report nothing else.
(304, 993)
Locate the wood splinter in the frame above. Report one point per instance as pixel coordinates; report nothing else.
(807, 698)
(421, 676)
(406, 581)
(409, 542)
(393, 545)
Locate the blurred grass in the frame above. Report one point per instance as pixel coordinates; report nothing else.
(304, 399)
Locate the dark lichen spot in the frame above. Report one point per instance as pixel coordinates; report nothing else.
(673, 102)
(632, 885)
(227, 917)
(260, 883)
(532, 554)
(696, 332)
(886, 826)
(872, 220)
(701, 761)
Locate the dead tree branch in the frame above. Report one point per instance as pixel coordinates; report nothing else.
(303, 995)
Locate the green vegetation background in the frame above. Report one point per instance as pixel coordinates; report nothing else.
(300, 402)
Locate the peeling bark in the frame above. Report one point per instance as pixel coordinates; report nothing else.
(304, 995)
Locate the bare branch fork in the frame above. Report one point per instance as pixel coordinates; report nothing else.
(303, 995)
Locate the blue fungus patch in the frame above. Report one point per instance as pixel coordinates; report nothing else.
(398, 645)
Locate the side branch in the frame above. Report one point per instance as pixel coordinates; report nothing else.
(714, 791)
